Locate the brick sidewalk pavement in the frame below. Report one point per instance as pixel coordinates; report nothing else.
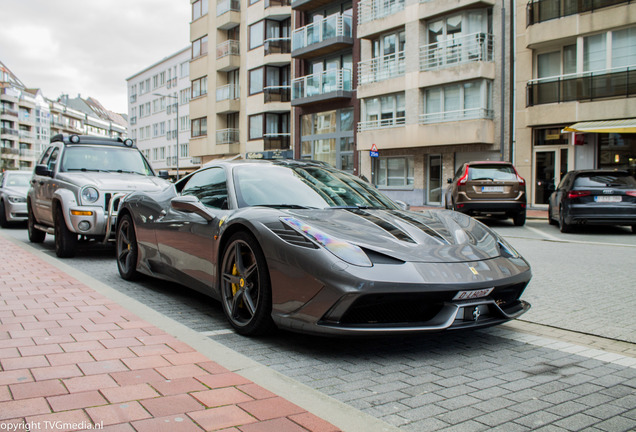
(71, 359)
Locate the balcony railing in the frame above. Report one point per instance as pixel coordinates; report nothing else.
(8, 111)
(227, 92)
(9, 131)
(327, 28)
(618, 82)
(277, 141)
(26, 135)
(474, 47)
(27, 153)
(544, 10)
(229, 47)
(381, 68)
(227, 136)
(381, 123)
(277, 94)
(227, 6)
(321, 83)
(9, 150)
(272, 3)
(465, 114)
(277, 45)
(369, 10)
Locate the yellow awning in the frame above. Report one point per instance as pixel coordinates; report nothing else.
(608, 126)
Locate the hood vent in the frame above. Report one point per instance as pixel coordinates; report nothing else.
(385, 225)
(425, 228)
(290, 236)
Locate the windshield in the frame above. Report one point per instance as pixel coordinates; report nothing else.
(304, 186)
(104, 158)
(491, 172)
(604, 179)
(18, 179)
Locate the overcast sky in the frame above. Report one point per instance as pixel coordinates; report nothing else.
(89, 47)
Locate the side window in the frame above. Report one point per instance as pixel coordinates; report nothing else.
(53, 159)
(45, 155)
(564, 181)
(209, 186)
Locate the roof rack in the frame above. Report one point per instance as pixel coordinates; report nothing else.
(89, 139)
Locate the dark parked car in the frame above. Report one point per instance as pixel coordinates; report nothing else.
(13, 190)
(313, 249)
(594, 197)
(488, 188)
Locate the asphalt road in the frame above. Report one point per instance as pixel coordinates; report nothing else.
(518, 377)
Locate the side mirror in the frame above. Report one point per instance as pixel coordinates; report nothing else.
(403, 205)
(42, 170)
(449, 180)
(163, 174)
(191, 204)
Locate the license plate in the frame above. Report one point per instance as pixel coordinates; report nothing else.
(602, 198)
(492, 189)
(467, 295)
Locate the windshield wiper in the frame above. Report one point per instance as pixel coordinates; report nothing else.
(128, 172)
(86, 169)
(357, 207)
(289, 206)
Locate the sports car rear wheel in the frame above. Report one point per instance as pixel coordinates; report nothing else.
(127, 251)
(245, 287)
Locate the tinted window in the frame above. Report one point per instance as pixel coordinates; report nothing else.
(491, 172)
(606, 179)
(209, 186)
(304, 186)
(103, 158)
(53, 159)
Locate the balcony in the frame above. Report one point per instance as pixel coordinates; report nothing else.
(587, 86)
(381, 68)
(474, 47)
(274, 3)
(544, 10)
(274, 46)
(26, 135)
(371, 10)
(276, 141)
(277, 94)
(228, 55)
(447, 116)
(307, 5)
(320, 87)
(8, 111)
(9, 151)
(381, 123)
(322, 37)
(9, 131)
(227, 136)
(227, 99)
(228, 14)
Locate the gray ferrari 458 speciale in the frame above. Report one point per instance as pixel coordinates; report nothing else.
(309, 248)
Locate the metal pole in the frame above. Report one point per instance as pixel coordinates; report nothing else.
(177, 129)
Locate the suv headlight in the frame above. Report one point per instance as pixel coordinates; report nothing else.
(89, 195)
(16, 199)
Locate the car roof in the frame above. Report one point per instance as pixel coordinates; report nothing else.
(73, 139)
(278, 162)
(488, 163)
(599, 171)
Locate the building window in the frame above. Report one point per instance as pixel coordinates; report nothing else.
(199, 9)
(328, 136)
(257, 34)
(453, 102)
(256, 80)
(184, 150)
(184, 96)
(256, 127)
(393, 172)
(200, 87)
(383, 111)
(184, 69)
(200, 47)
(199, 127)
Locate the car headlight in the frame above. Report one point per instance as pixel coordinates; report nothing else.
(346, 251)
(89, 195)
(16, 199)
(506, 249)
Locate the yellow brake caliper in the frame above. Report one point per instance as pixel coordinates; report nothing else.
(236, 287)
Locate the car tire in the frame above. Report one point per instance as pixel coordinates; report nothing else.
(3, 216)
(35, 235)
(65, 239)
(551, 221)
(633, 229)
(127, 249)
(519, 219)
(246, 293)
(563, 226)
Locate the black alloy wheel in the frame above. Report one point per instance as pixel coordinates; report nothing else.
(65, 239)
(563, 226)
(246, 292)
(3, 216)
(35, 235)
(127, 249)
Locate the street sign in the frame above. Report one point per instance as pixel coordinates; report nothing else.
(374, 148)
(374, 151)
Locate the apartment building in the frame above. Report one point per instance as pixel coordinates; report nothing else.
(434, 82)
(159, 113)
(576, 78)
(240, 74)
(24, 114)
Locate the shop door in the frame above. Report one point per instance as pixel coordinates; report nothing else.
(434, 179)
(549, 167)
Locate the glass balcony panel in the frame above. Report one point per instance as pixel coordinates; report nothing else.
(381, 68)
(545, 10)
(321, 83)
(227, 136)
(336, 25)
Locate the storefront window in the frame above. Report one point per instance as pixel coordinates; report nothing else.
(617, 151)
(328, 137)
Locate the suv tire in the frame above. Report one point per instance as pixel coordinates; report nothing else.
(35, 235)
(65, 240)
(519, 219)
(3, 216)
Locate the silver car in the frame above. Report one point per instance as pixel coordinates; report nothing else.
(13, 191)
(77, 185)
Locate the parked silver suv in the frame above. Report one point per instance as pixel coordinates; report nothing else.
(76, 187)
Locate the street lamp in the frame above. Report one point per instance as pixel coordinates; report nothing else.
(176, 126)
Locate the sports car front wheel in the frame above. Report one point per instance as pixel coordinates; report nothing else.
(127, 250)
(245, 287)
